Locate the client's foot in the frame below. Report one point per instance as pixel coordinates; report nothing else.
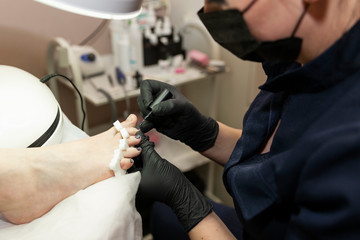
(39, 178)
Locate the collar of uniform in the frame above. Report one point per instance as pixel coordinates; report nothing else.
(335, 64)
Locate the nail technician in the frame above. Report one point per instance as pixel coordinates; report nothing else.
(293, 171)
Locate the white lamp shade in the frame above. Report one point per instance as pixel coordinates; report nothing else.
(107, 9)
(30, 116)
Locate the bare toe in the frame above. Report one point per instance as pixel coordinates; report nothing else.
(126, 163)
(132, 152)
(132, 141)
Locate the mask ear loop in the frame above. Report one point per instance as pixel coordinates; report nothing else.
(300, 20)
(248, 6)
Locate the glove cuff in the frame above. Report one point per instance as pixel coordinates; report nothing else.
(204, 136)
(192, 210)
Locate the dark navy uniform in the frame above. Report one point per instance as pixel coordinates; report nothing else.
(308, 185)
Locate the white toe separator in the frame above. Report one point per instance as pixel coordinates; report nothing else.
(120, 128)
(115, 163)
(123, 145)
(118, 155)
(124, 133)
(118, 125)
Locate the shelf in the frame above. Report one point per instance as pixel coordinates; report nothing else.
(119, 92)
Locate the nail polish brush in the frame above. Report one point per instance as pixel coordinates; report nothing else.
(165, 94)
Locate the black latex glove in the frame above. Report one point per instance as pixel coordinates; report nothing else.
(176, 117)
(161, 181)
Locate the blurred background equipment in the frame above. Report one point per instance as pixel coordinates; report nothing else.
(108, 9)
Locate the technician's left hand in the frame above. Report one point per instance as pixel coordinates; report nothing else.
(162, 181)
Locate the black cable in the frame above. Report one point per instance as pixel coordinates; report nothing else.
(111, 103)
(48, 77)
(94, 33)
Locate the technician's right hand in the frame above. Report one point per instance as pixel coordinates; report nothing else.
(162, 181)
(176, 117)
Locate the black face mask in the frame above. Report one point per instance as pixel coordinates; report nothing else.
(229, 29)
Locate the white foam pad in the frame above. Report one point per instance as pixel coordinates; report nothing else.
(124, 133)
(123, 145)
(115, 163)
(118, 125)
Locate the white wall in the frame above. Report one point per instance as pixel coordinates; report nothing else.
(237, 87)
(34, 17)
